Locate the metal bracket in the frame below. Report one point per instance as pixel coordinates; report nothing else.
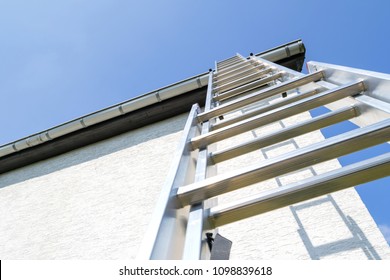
(219, 246)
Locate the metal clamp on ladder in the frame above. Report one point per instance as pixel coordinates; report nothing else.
(187, 214)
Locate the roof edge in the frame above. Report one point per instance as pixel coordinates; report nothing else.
(276, 54)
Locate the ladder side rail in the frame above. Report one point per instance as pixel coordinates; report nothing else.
(166, 233)
(195, 246)
(374, 103)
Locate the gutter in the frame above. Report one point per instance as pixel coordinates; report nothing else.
(131, 105)
(153, 97)
(283, 51)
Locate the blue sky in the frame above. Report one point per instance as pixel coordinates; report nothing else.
(63, 59)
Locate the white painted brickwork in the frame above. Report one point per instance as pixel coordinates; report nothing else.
(91, 203)
(96, 202)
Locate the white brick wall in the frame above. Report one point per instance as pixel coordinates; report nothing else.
(91, 203)
(96, 202)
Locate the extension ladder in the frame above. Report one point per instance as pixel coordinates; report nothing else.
(187, 216)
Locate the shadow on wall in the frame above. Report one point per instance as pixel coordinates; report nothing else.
(94, 151)
(357, 241)
(356, 238)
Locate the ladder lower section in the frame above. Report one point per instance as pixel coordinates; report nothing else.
(244, 94)
(328, 149)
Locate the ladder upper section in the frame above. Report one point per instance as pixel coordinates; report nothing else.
(245, 94)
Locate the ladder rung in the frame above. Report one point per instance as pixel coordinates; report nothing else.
(229, 59)
(284, 134)
(238, 75)
(244, 67)
(234, 92)
(228, 63)
(232, 58)
(249, 86)
(233, 66)
(264, 109)
(241, 81)
(349, 176)
(221, 66)
(330, 148)
(257, 96)
(300, 106)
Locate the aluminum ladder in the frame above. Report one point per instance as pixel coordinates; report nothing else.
(187, 214)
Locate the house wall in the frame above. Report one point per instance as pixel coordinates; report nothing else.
(91, 203)
(96, 203)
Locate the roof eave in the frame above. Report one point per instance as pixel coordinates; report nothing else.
(134, 113)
